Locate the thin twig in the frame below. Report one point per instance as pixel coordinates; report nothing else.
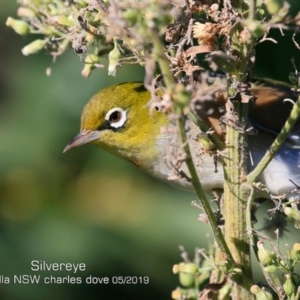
(170, 83)
(285, 131)
(252, 9)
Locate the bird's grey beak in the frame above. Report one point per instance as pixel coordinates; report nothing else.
(84, 137)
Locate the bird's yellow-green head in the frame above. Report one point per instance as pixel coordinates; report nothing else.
(118, 120)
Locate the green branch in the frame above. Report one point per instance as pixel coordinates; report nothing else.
(170, 83)
(285, 131)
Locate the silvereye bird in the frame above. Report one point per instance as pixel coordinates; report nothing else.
(118, 120)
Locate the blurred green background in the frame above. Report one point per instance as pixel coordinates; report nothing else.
(85, 206)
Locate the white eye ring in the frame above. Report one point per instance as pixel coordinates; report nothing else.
(116, 117)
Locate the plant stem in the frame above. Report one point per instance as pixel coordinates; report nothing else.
(170, 83)
(252, 9)
(200, 193)
(235, 207)
(286, 129)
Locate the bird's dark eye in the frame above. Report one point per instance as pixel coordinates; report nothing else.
(116, 117)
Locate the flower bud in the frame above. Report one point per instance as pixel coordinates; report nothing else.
(176, 268)
(205, 141)
(63, 20)
(295, 253)
(20, 27)
(265, 256)
(260, 293)
(236, 272)
(186, 280)
(179, 293)
(187, 273)
(113, 58)
(289, 286)
(293, 215)
(273, 6)
(34, 47)
(24, 12)
(270, 269)
(90, 62)
(189, 268)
